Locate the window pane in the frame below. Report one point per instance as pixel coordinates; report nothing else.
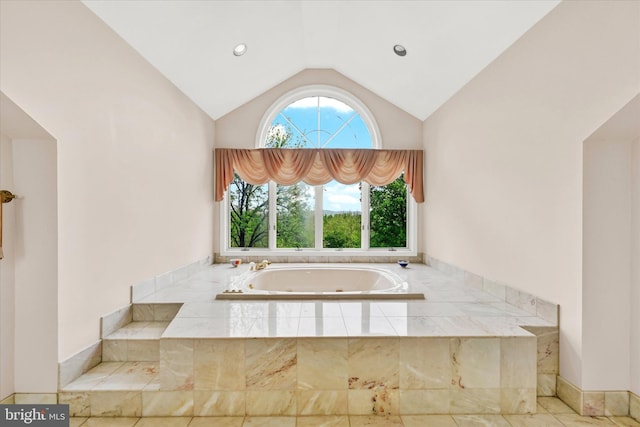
(342, 216)
(388, 215)
(321, 122)
(249, 214)
(343, 126)
(295, 216)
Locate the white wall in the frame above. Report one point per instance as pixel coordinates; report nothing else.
(135, 163)
(504, 157)
(606, 265)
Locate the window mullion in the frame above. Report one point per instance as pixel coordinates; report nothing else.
(273, 206)
(366, 229)
(319, 216)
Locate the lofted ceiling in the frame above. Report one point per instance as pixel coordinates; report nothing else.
(447, 42)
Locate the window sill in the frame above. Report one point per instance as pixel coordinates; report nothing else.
(324, 255)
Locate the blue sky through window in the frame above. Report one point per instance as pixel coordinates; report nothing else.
(322, 122)
(339, 125)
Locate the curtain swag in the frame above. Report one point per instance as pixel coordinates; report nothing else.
(288, 166)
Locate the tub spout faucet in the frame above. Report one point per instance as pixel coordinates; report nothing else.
(261, 265)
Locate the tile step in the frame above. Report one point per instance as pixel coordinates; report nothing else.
(135, 342)
(146, 330)
(155, 311)
(117, 376)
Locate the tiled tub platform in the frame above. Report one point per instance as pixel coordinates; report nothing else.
(461, 351)
(357, 376)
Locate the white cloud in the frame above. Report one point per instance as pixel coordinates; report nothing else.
(312, 102)
(340, 197)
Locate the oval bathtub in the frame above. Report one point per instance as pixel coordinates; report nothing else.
(320, 281)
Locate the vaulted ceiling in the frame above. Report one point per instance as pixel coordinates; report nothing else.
(447, 42)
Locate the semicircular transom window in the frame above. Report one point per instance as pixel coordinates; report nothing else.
(318, 122)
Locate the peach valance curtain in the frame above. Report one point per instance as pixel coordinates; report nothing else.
(287, 166)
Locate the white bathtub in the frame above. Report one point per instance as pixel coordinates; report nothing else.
(320, 281)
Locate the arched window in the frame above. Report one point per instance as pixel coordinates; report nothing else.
(321, 117)
(333, 216)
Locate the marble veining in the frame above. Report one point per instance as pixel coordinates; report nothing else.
(374, 363)
(271, 364)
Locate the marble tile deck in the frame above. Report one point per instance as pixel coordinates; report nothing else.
(451, 308)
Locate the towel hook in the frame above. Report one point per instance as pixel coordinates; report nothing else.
(6, 196)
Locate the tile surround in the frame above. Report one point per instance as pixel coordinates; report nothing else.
(390, 364)
(287, 376)
(155, 312)
(162, 281)
(177, 364)
(322, 402)
(420, 389)
(363, 376)
(219, 403)
(548, 337)
(163, 403)
(137, 341)
(634, 406)
(79, 363)
(548, 358)
(90, 357)
(270, 403)
(270, 364)
(549, 383)
(322, 364)
(525, 301)
(115, 320)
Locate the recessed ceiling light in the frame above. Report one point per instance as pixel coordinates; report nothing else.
(399, 50)
(240, 49)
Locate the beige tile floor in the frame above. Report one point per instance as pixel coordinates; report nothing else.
(552, 412)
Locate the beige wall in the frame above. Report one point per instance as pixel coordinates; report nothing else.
(606, 265)
(7, 275)
(36, 266)
(610, 252)
(504, 156)
(28, 271)
(134, 158)
(635, 267)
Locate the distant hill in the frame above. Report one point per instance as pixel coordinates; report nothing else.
(327, 212)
